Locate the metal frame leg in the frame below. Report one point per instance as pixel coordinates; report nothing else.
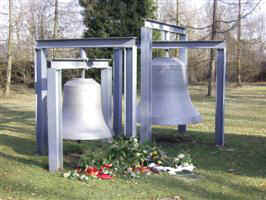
(220, 89)
(131, 92)
(146, 85)
(117, 97)
(41, 93)
(54, 108)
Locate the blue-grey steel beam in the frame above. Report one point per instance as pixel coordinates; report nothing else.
(188, 44)
(54, 109)
(118, 42)
(146, 85)
(64, 63)
(41, 109)
(152, 24)
(117, 97)
(106, 90)
(131, 92)
(220, 91)
(183, 54)
(69, 64)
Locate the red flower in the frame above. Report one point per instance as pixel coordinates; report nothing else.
(91, 171)
(145, 169)
(142, 169)
(107, 166)
(104, 176)
(79, 170)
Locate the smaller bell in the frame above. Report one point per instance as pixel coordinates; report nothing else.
(82, 111)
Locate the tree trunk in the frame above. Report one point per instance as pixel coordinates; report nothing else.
(157, 10)
(177, 23)
(211, 74)
(177, 12)
(42, 31)
(239, 45)
(55, 24)
(9, 53)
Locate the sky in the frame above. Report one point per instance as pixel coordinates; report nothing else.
(194, 4)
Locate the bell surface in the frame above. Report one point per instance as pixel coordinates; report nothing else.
(82, 111)
(171, 103)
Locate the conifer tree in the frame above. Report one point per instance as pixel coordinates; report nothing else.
(114, 18)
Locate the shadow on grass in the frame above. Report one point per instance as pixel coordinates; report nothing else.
(232, 191)
(18, 144)
(242, 155)
(259, 100)
(31, 190)
(16, 120)
(30, 161)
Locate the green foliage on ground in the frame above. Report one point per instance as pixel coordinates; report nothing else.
(126, 157)
(234, 172)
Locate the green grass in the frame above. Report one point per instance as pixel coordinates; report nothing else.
(237, 171)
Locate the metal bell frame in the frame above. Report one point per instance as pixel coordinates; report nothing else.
(48, 84)
(147, 44)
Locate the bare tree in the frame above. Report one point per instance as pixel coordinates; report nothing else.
(177, 23)
(177, 12)
(239, 44)
(9, 53)
(55, 24)
(212, 53)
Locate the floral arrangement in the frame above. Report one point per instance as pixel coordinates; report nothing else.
(129, 158)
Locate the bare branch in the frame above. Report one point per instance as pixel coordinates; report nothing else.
(243, 16)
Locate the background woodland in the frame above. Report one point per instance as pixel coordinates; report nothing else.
(240, 22)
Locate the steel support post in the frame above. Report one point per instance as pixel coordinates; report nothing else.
(131, 92)
(183, 53)
(117, 97)
(106, 90)
(166, 37)
(124, 85)
(41, 93)
(146, 86)
(54, 109)
(220, 90)
(84, 56)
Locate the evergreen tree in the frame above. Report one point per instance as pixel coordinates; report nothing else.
(114, 18)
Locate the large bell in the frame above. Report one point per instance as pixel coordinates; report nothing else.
(82, 111)
(171, 103)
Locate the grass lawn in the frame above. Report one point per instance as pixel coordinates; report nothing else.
(237, 171)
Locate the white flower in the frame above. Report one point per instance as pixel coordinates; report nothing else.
(67, 174)
(173, 173)
(83, 177)
(181, 156)
(152, 165)
(176, 159)
(185, 164)
(75, 174)
(138, 154)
